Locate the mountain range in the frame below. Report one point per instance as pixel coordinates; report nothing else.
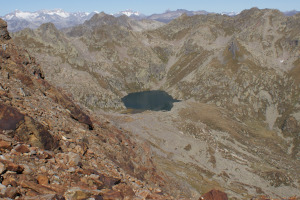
(19, 20)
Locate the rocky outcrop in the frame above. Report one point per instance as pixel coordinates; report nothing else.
(3, 30)
(9, 117)
(25, 129)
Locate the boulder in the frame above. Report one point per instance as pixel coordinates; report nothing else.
(43, 180)
(9, 117)
(214, 195)
(22, 149)
(5, 145)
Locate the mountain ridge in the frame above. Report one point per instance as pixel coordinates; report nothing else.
(19, 20)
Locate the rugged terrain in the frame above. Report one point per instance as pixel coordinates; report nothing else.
(238, 125)
(51, 148)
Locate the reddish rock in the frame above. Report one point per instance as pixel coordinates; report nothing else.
(26, 80)
(5, 145)
(10, 181)
(43, 180)
(10, 166)
(48, 154)
(15, 168)
(22, 149)
(214, 195)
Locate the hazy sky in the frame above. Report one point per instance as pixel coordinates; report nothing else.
(146, 7)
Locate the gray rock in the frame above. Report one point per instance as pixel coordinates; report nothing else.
(73, 159)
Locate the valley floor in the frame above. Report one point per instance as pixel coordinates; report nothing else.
(202, 147)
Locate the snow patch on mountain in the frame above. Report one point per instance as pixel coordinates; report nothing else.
(26, 15)
(59, 17)
(128, 13)
(232, 13)
(58, 12)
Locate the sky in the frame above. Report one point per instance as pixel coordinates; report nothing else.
(145, 7)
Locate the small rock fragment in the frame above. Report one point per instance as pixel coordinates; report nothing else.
(43, 180)
(74, 159)
(27, 170)
(77, 193)
(14, 168)
(43, 169)
(22, 149)
(5, 145)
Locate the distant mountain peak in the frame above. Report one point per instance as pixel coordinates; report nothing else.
(128, 13)
(58, 12)
(19, 20)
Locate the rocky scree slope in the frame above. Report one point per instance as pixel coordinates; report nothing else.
(51, 149)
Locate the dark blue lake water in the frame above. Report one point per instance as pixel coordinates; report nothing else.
(149, 100)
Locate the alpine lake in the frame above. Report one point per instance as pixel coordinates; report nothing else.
(155, 100)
